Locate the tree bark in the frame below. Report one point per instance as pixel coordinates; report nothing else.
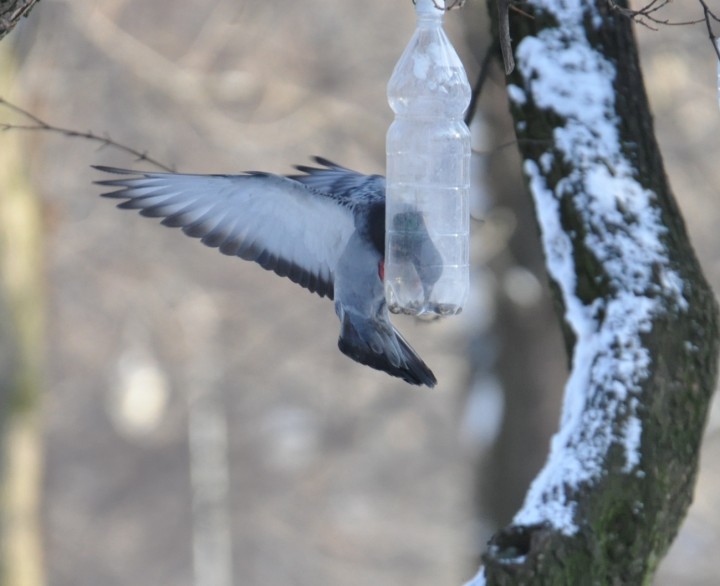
(640, 321)
(11, 11)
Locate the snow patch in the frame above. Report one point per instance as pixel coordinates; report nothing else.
(516, 94)
(478, 580)
(563, 73)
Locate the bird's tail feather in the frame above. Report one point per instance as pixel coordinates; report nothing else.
(380, 346)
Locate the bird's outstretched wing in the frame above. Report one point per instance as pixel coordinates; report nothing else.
(284, 226)
(343, 183)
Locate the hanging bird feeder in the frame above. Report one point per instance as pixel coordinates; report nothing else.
(427, 220)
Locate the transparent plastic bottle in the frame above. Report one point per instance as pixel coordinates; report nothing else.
(428, 174)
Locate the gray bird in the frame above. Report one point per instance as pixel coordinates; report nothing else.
(324, 229)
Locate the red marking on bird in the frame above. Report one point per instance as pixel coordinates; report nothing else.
(381, 270)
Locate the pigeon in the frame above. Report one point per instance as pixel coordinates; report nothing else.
(323, 229)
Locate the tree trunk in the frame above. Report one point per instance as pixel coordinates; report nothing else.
(22, 304)
(11, 11)
(640, 321)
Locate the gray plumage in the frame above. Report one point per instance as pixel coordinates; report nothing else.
(323, 229)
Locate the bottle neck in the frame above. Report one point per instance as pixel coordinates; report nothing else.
(429, 6)
(429, 13)
(426, 21)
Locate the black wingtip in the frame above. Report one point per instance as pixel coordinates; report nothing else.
(115, 170)
(327, 163)
(113, 182)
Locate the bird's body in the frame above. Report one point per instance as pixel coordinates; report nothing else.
(323, 229)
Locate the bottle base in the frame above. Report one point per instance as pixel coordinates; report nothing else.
(418, 309)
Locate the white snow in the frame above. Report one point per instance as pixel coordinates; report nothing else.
(516, 94)
(565, 74)
(478, 579)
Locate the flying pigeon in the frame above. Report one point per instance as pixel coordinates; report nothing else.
(324, 229)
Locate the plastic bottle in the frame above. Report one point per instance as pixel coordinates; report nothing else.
(428, 174)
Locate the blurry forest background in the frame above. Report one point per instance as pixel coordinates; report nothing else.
(185, 417)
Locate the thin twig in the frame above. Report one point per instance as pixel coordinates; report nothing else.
(37, 124)
(645, 15)
(511, 143)
(480, 82)
(708, 14)
(496, 149)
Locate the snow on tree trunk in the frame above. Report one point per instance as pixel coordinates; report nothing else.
(640, 321)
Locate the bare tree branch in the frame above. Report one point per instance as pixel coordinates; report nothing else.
(480, 82)
(38, 124)
(11, 12)
(709, 15)
(646, 16)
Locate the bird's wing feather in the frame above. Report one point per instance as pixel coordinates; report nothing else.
(377, 344)
(272, 220)
(341, 182)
